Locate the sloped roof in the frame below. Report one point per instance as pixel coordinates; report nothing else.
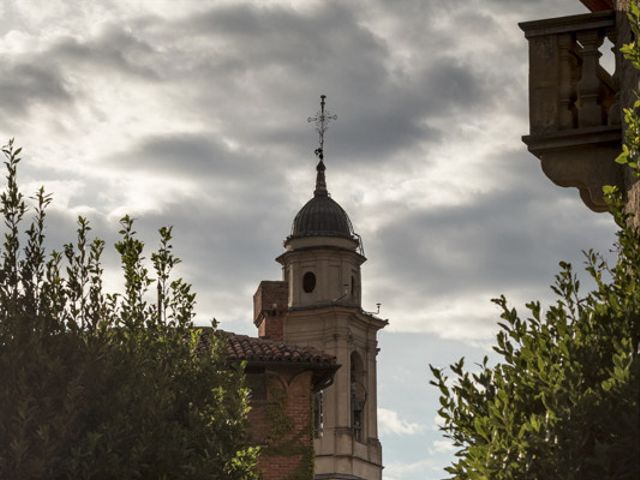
(253, 349)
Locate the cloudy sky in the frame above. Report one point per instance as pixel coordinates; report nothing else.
(193, 113)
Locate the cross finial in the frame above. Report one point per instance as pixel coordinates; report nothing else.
(321, 120)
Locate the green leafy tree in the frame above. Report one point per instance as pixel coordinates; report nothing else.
(99, 385)
(562, 401)
(631, 51)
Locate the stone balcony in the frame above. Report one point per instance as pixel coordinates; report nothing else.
(575, 119)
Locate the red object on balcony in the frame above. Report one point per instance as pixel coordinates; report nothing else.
(598, 5)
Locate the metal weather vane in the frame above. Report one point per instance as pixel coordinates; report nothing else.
(321, 120)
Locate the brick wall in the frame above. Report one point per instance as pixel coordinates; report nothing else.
(271, 326)
(286, 444)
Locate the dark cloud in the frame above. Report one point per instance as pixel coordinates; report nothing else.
(327, 46)
(256, 71)
(226, 251)
(187, 155)
(215, 57)
(267, 35)
(24, 84)
(53, 77)
(241, 179)
(115, 49)
(509, 238)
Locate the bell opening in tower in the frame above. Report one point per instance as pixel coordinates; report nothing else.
(309, 282)
(358, 397)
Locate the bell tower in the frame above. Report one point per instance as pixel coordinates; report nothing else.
(323, 255)
(321, 271)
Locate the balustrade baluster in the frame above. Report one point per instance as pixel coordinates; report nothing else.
(566, 91)
(590, 112)
(615, 112)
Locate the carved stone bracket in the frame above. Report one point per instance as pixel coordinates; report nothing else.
(582, 158)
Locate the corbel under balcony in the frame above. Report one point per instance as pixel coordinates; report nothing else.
(574, 103)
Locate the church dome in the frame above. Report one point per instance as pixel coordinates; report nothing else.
(322, 216)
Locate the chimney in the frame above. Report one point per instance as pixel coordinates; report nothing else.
(269, 309)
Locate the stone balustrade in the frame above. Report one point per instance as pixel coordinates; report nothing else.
(574, 102)
(568, 87)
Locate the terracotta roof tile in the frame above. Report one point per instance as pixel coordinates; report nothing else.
(253, 349)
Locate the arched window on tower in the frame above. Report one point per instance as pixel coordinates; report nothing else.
(358, 396)
(318, 414)
(355, 287)
(309, 282)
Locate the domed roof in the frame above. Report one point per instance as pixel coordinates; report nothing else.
(322, 216)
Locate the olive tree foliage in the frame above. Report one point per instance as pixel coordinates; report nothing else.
(563, 400)
(630, 154)
(100, 385)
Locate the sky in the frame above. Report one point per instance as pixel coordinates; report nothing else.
(193, 113)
